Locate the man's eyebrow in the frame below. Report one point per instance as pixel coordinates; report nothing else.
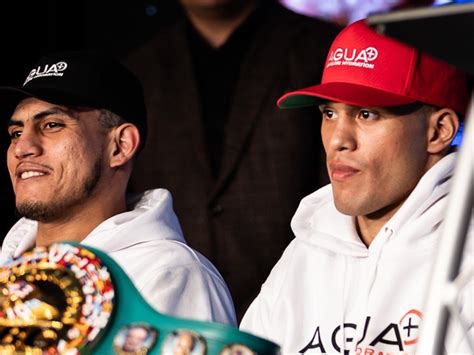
(50, 111)
(13, 122)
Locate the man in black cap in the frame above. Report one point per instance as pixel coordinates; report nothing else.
(77, 123)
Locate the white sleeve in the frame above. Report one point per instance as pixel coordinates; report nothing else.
(256, 318)
(190, 291)
(259, 319)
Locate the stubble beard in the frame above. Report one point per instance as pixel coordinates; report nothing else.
(47, 212)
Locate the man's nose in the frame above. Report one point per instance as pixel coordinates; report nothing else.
(28, 144)
(343, 135)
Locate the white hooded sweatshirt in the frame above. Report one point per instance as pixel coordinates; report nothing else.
(148, 244)
(329, 293)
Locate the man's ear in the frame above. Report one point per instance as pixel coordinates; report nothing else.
(443, 125)
(125, 140)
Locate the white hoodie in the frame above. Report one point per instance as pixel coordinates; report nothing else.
(328, 280)
(148, 244)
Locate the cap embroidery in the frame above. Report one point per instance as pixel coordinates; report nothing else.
(353, 57)
(48, 70)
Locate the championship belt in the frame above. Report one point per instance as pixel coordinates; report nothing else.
(68, 298)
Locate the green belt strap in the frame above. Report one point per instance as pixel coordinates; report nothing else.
(69, 298)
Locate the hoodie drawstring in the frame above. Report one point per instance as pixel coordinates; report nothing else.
(343, 303)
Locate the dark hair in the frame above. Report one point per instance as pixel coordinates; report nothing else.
(108, 119)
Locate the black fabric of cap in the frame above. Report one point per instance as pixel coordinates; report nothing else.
(83, 79)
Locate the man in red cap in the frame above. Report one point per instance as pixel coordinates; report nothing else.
(354, 278)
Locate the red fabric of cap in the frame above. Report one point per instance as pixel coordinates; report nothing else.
(364, 68)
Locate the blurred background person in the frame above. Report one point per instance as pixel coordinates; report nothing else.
(236, 166)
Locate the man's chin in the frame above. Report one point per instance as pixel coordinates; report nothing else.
(345, 204)
(37, 211)
(349, 207)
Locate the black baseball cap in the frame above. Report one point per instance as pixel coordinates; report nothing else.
(83, 79)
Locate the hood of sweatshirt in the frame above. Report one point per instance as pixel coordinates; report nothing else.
(150, 216)
(420, 214)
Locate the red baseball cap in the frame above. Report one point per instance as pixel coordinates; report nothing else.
(367, 69)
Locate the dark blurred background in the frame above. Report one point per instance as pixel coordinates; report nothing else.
(29, 29)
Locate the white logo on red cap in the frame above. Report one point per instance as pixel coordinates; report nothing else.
(48, 70)
(353, 57)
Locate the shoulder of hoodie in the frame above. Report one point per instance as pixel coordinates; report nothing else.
(283, 268)
(163, 254)
(273, 285)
